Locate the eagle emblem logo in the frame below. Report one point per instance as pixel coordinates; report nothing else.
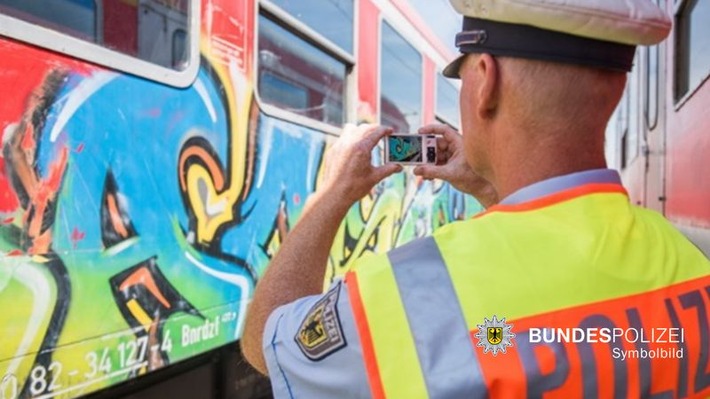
(494, 335)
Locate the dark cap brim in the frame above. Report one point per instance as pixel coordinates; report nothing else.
(524, 41)
(452, 70)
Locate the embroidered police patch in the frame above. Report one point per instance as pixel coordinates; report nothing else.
(321, 334)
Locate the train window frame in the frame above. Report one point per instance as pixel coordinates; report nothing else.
(438, 115)
(400, 33)
(679, 99)
(75, 47)
(319, 28)
(276, 14)
(652, 100)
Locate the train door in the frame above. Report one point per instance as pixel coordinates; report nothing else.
(630, 133)
(653, 145)
(637, 132)
(636, 135)
(162, 31)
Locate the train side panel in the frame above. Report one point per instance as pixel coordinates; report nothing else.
(688, 143)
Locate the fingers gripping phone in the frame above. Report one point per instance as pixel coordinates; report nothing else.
(410, 149)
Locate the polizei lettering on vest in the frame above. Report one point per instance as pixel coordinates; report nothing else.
(612, 349)
(193, 335)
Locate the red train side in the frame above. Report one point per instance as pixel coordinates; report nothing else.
(659, 138)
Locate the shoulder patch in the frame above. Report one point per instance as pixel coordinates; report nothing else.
(320, 333)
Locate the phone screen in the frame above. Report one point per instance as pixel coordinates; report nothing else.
(405, 148)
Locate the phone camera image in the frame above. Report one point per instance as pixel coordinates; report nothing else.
(405, 149)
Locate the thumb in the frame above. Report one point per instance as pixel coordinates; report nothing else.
(386, 170)
(430, 172)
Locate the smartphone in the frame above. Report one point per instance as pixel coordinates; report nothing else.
(410, 149)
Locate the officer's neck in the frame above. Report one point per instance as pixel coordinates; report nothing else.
(530, 158)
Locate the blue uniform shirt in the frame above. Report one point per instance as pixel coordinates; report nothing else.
(306, 361)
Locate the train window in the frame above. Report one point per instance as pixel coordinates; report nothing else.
(448, 21)
(447, 101)
(400, 82)
(651, 86)
(73, 17)
(298, 77)
(179, 53)
(692, 46)
(633, 116)
(334, 19)
(156, 39)
(623, 148)
(158, 23)
(623, 126)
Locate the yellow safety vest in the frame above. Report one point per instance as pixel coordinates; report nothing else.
(569, 272)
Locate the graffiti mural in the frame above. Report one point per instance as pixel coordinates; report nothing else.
(114, 207)
(136, 218)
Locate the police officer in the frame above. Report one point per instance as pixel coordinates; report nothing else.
(560, 287)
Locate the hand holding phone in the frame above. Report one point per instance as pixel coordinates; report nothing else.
(348, 173)
(453, 166)
(411, 149)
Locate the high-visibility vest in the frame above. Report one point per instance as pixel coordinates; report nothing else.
(568, 272)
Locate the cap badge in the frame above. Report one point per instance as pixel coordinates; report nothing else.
(471, 37)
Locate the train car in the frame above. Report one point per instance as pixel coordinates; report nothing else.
(658, 137)
(156, 152)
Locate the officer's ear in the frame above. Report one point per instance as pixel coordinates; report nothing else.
(487, 73)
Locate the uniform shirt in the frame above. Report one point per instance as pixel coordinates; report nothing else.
(337, 370)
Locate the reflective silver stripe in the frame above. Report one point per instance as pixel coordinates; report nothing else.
(442, 339)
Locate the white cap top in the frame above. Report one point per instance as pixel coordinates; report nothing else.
(622, 21)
